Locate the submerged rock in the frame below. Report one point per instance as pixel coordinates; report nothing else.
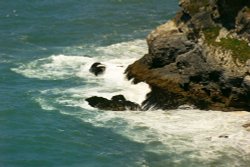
(117, 103)
(97, 68)
(246, 126)
(200, 58)
(224, 136)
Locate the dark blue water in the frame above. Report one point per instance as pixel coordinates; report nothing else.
(46, 48)
(31, 30)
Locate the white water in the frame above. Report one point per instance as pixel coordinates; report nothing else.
(116, 58)
(189, 134)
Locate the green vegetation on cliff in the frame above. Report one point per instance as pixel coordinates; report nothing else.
(239, 48)
(211, 34)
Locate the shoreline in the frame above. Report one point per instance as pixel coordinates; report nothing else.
(195, 59)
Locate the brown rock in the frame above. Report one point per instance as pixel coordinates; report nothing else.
(246, 125)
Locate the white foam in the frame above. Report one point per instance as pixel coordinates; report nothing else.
(54, 67)
(125, 50)
(206, 136)
(44, 104)
(178, 132)
(192, 134)
(116, 58)
(181, 131)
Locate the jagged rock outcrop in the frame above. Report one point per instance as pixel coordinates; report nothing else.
(201, 58)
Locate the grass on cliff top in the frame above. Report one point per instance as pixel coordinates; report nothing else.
(239, 48)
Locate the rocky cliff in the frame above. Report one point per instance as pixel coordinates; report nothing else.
(201, 57)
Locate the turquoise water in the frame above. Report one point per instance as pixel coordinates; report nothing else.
(46, 49)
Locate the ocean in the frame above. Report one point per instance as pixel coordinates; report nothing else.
(46, 50)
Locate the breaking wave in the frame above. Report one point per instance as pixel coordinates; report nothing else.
(198, 137)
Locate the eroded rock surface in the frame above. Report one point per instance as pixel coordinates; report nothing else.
(200, 58)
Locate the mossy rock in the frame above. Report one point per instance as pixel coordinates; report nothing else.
(240, 49)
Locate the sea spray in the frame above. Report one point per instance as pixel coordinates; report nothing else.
(115, 57)
(193, 136)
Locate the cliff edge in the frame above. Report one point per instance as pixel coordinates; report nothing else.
(201, 57)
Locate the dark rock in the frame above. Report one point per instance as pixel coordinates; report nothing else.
(165, 49)
(117, 103)
(243, 23)
(159, 99)
(119, 98)
(97, 68)
(96, 101)
(185, 66)
(207, 13)
(224, 136)
(202, 20)
(229, 10)
(182, 16)
(246, 125)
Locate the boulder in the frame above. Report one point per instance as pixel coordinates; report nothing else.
(97, 68)
(117, 103)
(246, 126)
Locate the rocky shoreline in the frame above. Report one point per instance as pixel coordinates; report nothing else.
(200, 58)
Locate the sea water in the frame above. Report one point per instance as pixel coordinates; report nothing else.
(46, 50)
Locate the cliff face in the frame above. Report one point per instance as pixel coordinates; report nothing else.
(201, 57)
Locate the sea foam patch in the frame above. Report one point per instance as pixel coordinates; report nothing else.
(115, 57)
(206, 137)
(54, 67)
(203, 136)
